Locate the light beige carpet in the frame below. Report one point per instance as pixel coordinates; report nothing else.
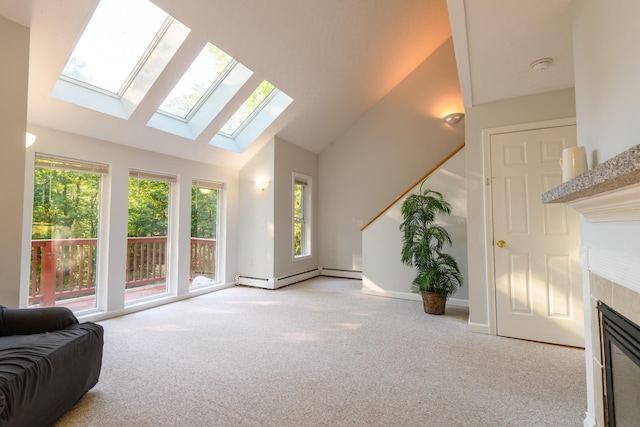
(320, 353)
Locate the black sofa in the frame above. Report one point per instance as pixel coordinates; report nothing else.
(48, 361)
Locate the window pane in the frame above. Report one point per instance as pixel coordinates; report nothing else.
(250, 106)
(204, 235)
(298, 220)
(297, 238)
(196, 81)
(147, 238)
(64, 238)
(116, 39)
(298, 199)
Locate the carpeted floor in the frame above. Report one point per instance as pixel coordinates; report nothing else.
(320, 353)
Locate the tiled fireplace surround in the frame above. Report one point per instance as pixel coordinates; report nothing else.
(609, 192)
(626, 302)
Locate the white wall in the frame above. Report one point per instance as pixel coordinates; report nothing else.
(383, 273)
(606, 52)
(607, 66)
(265, 232)
(381, 155)
(290, 158)
(113, 221)
(256, 227)
(14, 45)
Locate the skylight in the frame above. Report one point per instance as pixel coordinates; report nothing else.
(197, 81)
(116, 42)
(257, 113)
(123, 50)
(247, 110)
(126, 46)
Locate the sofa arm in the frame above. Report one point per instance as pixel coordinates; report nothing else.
(26, 321)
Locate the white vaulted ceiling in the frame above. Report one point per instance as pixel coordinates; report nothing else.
(335, 58)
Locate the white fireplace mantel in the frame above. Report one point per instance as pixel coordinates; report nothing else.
(608, 192)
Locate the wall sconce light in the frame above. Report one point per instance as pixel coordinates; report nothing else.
(453, 118)
(262, 184)
(30, 139)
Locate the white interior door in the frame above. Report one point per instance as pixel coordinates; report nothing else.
(538, 278)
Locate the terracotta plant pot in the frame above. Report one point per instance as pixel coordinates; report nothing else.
(433, 302)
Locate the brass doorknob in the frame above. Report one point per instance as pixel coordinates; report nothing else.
(501, 243)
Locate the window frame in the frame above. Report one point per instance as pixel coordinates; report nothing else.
(219, 187)
(60, 163)
(306, 219)
(172, 182)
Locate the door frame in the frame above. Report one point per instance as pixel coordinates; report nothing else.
(488, 205)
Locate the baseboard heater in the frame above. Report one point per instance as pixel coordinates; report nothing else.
(346, 274)
(276, 282)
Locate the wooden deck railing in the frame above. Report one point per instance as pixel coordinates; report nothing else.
(146, 260)
(203, 257)
(65, 268)
(61, 268)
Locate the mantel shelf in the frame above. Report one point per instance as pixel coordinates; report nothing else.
(608, 192)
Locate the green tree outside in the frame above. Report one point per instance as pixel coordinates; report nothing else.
(204, 212)
(148, 208)
(65, 204)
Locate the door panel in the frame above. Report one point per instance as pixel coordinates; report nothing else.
(537, 274)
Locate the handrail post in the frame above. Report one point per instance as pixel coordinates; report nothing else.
(48, 274)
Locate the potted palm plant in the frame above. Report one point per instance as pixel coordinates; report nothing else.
(422, 247)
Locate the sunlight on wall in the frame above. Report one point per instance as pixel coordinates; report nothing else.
(447, 105)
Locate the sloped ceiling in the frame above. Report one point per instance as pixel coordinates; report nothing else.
(335, 58)
(496, 41)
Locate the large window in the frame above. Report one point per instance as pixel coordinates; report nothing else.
(205, 202)
(301, 215)
(119, 37)
(65, 232)
(147, 230)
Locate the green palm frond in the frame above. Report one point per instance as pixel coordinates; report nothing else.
(423, 242)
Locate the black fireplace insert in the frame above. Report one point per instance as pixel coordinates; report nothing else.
(621, 345)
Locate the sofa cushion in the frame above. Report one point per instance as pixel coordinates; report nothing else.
(16, 321)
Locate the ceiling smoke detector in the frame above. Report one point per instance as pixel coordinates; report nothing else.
(541, 64)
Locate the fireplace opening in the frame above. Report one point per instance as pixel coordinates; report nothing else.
(621, 348)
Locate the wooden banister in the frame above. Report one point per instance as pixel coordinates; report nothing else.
(413, 185)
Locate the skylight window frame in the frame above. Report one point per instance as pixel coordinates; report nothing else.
(168, 40)
(205, 96)
(251, 116)
(136, 69)
(234, 79)
(146, 55)
(266, 116)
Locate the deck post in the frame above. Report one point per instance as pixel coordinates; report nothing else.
(48, 274)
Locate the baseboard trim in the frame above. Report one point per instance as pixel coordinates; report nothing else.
(277, 282)
(456, 302)
(336, 272)
(388, 294)
(480, 328)
(98, 316)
